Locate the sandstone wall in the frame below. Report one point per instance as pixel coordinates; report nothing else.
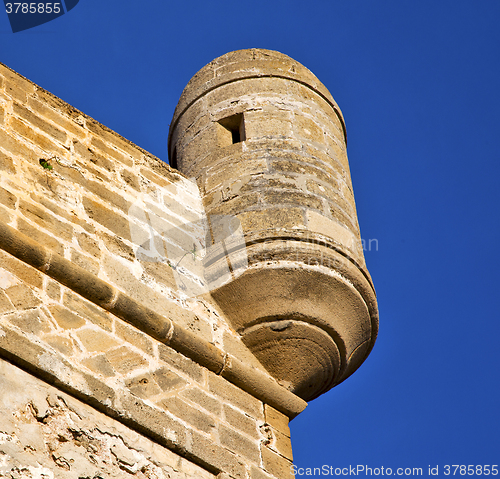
(74, 193)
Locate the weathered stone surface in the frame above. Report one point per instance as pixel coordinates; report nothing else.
(50, 434)
(277, 465)
(193, 416)
(22, 297)
(201, 398)
(186, 365)
(38, 235)
(7, 198)
(88, 310)
(21, 270)
(7, 163)
(124, 360)
(106, 217)
(94, 340)
(33, 321)
(241, 421)
(168, 380)
(237, 442)
(236, 396)
(276, 420)
(39, 122)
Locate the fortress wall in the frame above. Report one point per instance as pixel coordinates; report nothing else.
(78, 204)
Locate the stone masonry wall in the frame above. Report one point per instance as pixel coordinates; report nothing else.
(46, 434)
(80, 207)
(78, 189)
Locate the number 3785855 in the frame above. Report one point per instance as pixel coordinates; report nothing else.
(33, 7)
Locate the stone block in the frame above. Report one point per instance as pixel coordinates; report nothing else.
(268, 125)
(333, 194)
(14, 78)
(90, 156)
(143, 386)
(21, 270)
(227, 203)
(16, 92)
(114, 222)
(281, 444)
(46, 220)
(134, 336)
(57, 207)
(120, 273)
(161, 272)
(115, 139)
(204, 141)
(276, 420)
(66, 124)
(130, 179)
(100, 365)
(5, 305)
(240, 444)
(39, 236)
(155, 178)
(182, 363)
(235, 396)
(32, 321)
(63, 344)
(53, 290)
(65, 318)
(88, 244)
(108, 151)
(7, 163)
(88, 310)
(202, 399)
(280, 166)
(6, 216)
(253, 221)
(275, 464)
(219, 175)
(39, 123)
(241, 421)
(308, 129)
(193, 416)
(110, 197)
(124, 360)
(342, 218)
(85, 262)
(113, 244)
(320, 224)
(40, 141)
(216, 456)
(94, 340)
(22, 297)
(168, 380)
(16, 147)
(257, 473)
(292, 198)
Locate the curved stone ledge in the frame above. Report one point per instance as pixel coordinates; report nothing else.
(163, 329)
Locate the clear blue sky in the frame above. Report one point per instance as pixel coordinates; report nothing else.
(419, 85)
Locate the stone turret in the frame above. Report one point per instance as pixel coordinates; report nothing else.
(266, 143)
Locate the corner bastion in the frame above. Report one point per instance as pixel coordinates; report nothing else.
(168, 322)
